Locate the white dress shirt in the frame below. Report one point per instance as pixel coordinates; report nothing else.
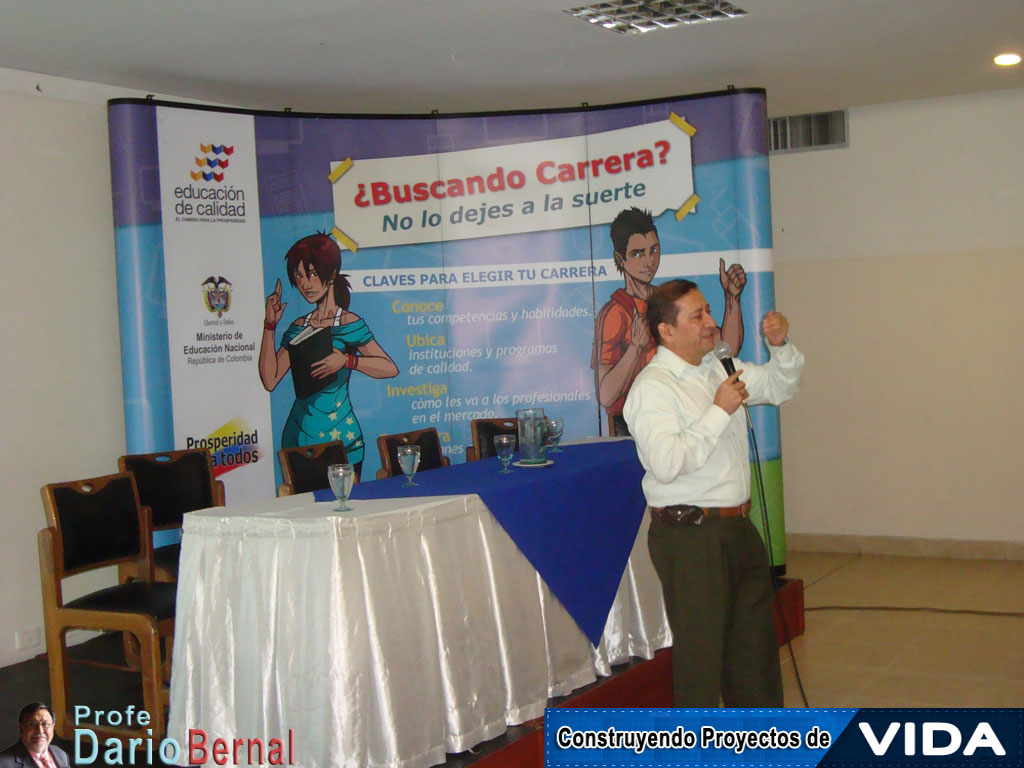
(692, 450)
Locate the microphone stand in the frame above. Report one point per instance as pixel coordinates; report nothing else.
(724, 354)
(768, 541)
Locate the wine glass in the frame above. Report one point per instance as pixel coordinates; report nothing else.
(505, 445)
(341, 477)
(409, 461)
(554, 424)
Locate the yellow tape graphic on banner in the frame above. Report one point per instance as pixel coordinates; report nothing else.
(344, 239)
(689, 130)
(687, 207)
(337, 234)
(340, 170)
(682, 125)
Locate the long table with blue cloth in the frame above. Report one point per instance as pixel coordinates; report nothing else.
(426, 620)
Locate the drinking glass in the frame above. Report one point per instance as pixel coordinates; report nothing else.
(554, 424)
(505, 445)
(341, 477)
(409, 461)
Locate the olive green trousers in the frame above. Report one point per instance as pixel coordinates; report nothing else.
(718, 595)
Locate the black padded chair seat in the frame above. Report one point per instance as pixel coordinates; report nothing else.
(487, 431)
(167, 557)
(170, 488)
(431, 456)
(153, 598)
(307, 465)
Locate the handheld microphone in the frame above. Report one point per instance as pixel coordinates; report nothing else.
(723, 352)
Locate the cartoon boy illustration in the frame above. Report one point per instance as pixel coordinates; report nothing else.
(622, 342)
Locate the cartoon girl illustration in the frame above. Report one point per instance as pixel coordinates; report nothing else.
(322, 349)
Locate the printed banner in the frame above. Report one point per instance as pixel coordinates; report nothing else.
(209, 211)
(528, 187)
(773, 738)
(288, 279)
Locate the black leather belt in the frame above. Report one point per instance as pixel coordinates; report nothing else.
(689, 514)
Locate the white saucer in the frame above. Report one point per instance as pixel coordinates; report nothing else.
(547, 463)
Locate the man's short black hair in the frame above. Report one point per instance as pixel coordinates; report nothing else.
(30, 709)
(631, 221)
(661, 304)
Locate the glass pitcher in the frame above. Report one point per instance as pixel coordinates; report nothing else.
(533, 434)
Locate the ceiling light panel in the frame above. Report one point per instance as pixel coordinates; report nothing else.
(630, 17)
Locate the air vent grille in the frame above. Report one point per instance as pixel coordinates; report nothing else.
(630, 17)
(821, 130)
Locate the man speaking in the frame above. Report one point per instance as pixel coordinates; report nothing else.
(685, 413)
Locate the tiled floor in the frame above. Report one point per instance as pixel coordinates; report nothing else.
(900, 658)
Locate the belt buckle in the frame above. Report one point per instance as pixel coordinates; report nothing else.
(684, 515)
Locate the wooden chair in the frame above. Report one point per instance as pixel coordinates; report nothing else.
(171, 483)
(617, 426)
(304, 467)
(430, 451)
(484, 431)
(94, 524)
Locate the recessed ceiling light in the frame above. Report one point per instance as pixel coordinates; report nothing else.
(1007, 59)
(629, 17)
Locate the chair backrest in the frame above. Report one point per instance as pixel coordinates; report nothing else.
(96, 523)
(172, 483)
(617, 426)
(304, 467)
(430, 450)
(484, 431)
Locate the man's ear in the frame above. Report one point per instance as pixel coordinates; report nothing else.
(665, 331)
(619, 261)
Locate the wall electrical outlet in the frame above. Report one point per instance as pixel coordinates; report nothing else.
(28, 638)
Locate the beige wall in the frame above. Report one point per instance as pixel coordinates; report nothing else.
(897, 260)
(900, 261)
(60, 389)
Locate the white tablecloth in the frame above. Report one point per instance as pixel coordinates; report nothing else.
(387, 636)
